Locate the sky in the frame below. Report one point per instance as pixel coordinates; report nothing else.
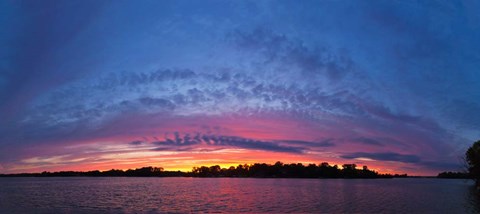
(85, 85)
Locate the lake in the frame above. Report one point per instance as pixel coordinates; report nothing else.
(186, 195)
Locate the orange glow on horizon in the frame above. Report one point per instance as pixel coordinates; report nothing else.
(115, 152)
(186, 161)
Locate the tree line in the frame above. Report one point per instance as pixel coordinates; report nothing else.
(293, 170)
(454, 175)
(257, 170)
(471, 164)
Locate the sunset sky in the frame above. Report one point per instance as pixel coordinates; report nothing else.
(87, 85)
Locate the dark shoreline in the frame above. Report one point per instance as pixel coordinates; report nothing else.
(257, 170)
(87, 176)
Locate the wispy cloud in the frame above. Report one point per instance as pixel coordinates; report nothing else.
(368, 141)
(384, 156)
(179, 143)
(280, 48)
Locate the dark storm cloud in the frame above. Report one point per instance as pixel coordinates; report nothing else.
(386, 156)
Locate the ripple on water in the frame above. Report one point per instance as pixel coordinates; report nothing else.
(180, 195)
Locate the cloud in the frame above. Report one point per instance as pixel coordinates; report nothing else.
(185, 143)
(342, 70)
(384, 112)
(183, 92)
(178, 141)
(368, 141)
(387, 156)
(310, 144)
(466, 113)
(157, 102)
(136, 79)
(253, 144)
(318, 60)
(136, 142)
(444, 166)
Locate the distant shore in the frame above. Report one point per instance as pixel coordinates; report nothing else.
(257, 170)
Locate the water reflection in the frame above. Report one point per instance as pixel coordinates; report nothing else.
(472, 200)
(180, 195)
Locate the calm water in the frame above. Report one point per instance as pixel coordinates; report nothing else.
(180, 195)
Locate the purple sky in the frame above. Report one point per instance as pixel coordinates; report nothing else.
(120, 84)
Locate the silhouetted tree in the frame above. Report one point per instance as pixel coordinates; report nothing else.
(349, 170)
(454, 175)
(258, 170)
(242, 170)
(472, 157)
(215, 171)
